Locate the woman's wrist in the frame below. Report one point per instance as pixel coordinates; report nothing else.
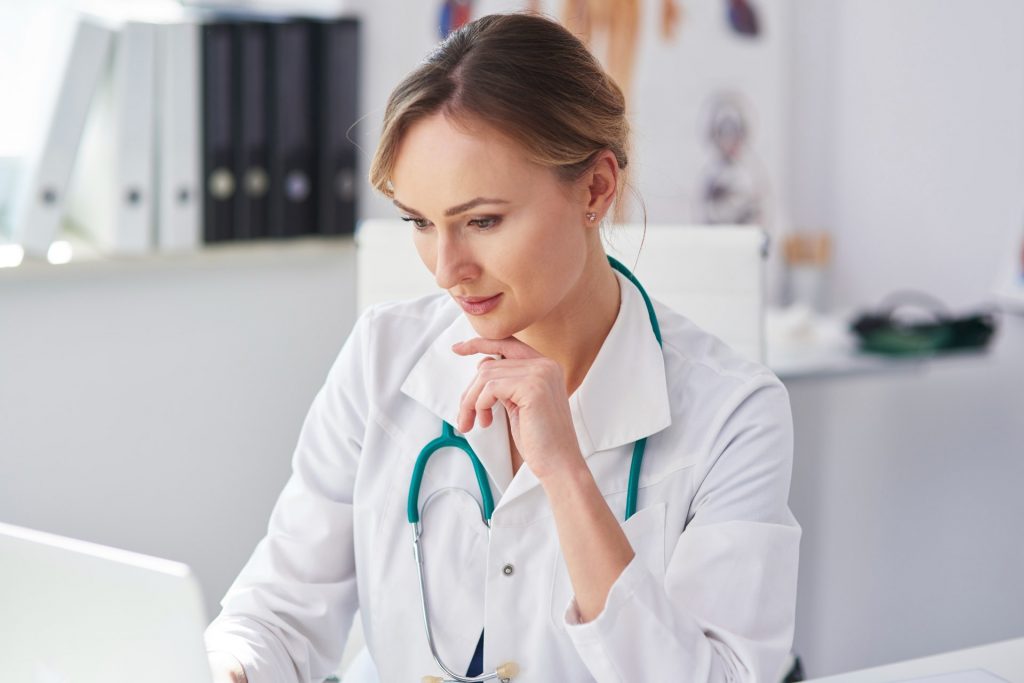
(572, 471)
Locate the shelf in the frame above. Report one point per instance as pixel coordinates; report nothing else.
(220, 255)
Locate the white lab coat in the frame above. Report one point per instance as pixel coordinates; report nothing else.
(709, 596)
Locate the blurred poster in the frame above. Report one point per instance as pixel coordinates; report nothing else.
(454, 15)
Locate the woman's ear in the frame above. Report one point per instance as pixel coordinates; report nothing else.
(602, 180)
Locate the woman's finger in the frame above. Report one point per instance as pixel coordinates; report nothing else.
(468, 403)
(493, 390)
(509, 347)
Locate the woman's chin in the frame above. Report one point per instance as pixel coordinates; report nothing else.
(491, 329)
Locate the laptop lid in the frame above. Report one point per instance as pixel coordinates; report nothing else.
(79, 612)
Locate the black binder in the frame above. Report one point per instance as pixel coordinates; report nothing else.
(293, 167)
(339, 60)
(218, 137)
(253, 126)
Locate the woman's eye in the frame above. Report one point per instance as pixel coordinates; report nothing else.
(481, 223)
(420, 223)
(485, 223)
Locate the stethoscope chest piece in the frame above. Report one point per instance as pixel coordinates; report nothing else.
(504, 673)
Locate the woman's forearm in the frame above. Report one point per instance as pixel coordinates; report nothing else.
(595, 548)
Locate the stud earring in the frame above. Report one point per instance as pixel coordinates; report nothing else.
(591, 216)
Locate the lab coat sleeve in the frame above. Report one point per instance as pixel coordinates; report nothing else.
(286, 616)
(724, 612)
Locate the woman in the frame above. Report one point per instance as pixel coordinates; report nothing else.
(505, 150)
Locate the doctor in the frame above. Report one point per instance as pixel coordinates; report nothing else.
(505, 151)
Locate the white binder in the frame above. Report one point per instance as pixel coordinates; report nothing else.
(40, 199)
(179, 165)
(307, 8)
(112, 192)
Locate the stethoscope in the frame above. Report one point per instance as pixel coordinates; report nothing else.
(449, 439)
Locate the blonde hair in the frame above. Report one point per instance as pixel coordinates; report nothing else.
(531, 80)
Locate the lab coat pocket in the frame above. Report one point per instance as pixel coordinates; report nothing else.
(645, 531)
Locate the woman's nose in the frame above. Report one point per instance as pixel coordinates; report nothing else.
(454, 262)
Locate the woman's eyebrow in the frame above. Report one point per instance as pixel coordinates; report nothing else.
(455, 210)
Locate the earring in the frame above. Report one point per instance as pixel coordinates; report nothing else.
(591, 216)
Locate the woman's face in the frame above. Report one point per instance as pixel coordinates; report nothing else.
(489, 223)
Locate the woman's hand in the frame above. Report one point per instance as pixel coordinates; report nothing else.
(531, 387)
(225, 668)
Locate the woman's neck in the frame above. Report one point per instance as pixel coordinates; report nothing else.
(574, 332)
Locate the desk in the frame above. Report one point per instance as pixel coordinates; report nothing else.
(907, 482)
(1004, 659)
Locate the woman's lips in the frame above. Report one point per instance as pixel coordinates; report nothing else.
(475, 305)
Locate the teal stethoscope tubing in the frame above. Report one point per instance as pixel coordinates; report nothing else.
(448, 439)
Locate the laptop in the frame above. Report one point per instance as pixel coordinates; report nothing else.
(78, 612)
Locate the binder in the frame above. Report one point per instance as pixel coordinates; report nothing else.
(293, 195)
(179, 202)
(251, 218)
(218, 139)
(339, 89)
(112, 192)
(40, 198)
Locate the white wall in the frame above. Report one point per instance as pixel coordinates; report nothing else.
(154, 404)
(909, 141)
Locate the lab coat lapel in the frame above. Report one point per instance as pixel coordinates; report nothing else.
(438, 380)
(624, 396)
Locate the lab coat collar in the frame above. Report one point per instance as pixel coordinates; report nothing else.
(623, 398)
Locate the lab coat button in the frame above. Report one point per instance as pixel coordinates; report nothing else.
(508, 570)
